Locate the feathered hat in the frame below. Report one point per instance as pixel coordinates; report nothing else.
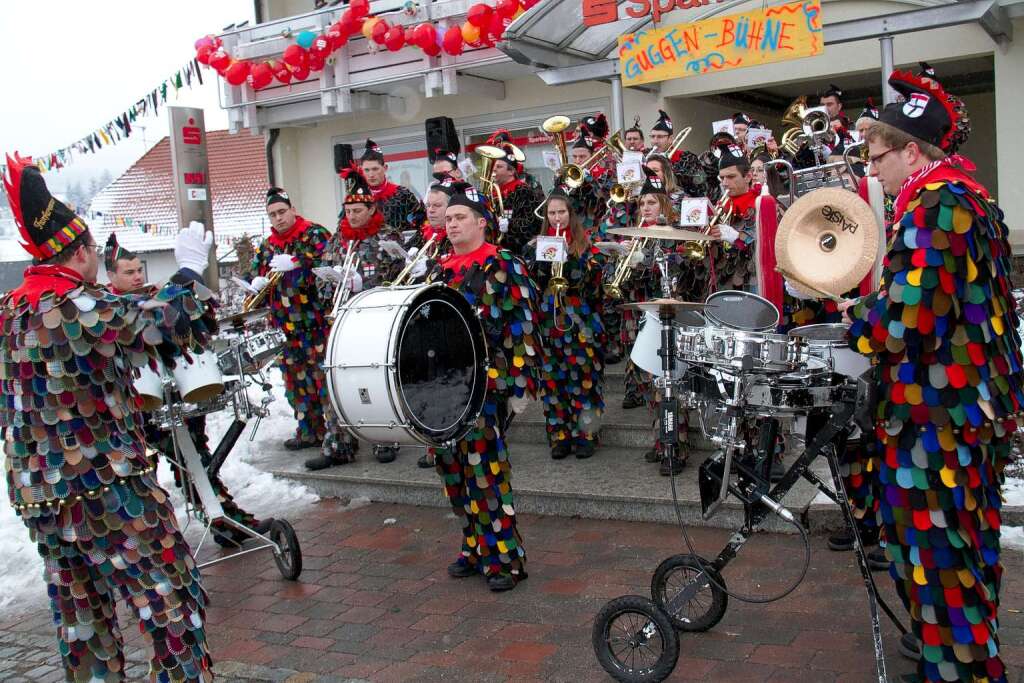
(45, 224)
(664, 122)
(652, 183)
(357, 190)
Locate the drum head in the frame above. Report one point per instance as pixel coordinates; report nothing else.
(827, 332)
(441, 364)
(741, 311)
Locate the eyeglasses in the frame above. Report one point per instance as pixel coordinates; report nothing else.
(878, 157)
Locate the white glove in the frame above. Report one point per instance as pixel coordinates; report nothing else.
(259, 282)
(283, 263)
(796, 293)
(243, 285)
(420, 269)
(517, 404)
(354, 282)
(328, 274)
(729, 233)
(192, 247)
(503, 224)
(636, 258)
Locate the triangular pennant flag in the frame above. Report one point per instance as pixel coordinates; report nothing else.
(199, 73)
(177, 80)
(163, 91)
(127, 125)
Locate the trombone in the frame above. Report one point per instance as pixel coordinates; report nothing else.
(427, 253)
(624, 267)
(559, 284)
(574, 174)
(349, 265)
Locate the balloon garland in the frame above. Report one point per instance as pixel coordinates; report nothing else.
(483, 27)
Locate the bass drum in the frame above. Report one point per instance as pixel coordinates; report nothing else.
(407, 365)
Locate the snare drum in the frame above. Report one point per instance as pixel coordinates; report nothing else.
(741, 311)
(729, 348)
(829, 342)
(199, 379)
(257, 350)
(407, 365)
(150, 386)
(648, 341)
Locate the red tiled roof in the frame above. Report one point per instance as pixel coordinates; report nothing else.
(145, 194)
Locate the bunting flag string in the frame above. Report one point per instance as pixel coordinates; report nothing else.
(120, 127)
(120, 221)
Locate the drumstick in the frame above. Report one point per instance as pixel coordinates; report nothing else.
(815, 290)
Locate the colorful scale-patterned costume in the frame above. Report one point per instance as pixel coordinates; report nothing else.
(943, 330)
(520, 200)
(78, 472)
(477, 473)
(574, 337)
(297, 309)
(401, 207)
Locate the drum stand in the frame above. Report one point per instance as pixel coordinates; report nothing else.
(649, 633)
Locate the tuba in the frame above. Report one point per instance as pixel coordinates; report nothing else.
(556, 127)
(805, 126)
(489, 155)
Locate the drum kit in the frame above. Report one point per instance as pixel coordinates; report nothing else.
(722, 359)
(216, 380)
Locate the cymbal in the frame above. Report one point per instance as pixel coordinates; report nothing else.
(244, 317)
(671, 305)
(827, 241)
(663, 232)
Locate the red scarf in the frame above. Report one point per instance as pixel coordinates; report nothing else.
(566, 233)
(953, 168)
(460, 263)
(46, 278)
(385, 192)
(281, 240)
(428, 231)
(511, 186)
(368, 230)
(743, 205)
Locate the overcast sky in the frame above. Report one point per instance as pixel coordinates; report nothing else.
(73, 65)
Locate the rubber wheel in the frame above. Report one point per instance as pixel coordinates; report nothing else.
(289, 557)
(705, 608)
(634, 641)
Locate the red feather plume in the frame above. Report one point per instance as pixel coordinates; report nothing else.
(12, 186)
(932, 87)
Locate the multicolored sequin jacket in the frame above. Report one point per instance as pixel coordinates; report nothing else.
(506, 297)
(70, 414)
(402, 209)
(375, 266)
(943, 327)
(295, 303)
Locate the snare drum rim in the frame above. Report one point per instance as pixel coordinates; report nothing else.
(801, 333)
(709, 312)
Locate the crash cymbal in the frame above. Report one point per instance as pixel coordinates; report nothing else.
(244, 317)
(827, 241)
(672, 305)
(663, 232)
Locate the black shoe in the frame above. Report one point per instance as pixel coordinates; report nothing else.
(585, 449)
(297, 444)
(671, 466)
(613, 359)
(631, 402)
(910, 647)
(561, 450)
(841, 542)
(653, 456)
(386, 454)
(501, 582)
(877, 561)
(322, 462)
(777, 473)
(461, 570)
(425, 461)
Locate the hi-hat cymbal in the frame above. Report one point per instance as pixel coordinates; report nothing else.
(244, 317)
(827, 241)
(663, 232)
(671, 305)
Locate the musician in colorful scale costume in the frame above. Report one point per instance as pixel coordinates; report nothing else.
(77, 469)
(943, 331)
(477, 472)
(295, 246)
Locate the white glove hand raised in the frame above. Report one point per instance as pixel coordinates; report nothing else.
(192, 247)
(517, 404)
(729, 233)
(258, 283)
(283, 263)
(503, 224)
(328, 274)
(636, 258)
(354, 282)
(796, 293)
(243, 285)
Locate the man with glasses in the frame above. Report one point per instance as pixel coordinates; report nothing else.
(942, 330)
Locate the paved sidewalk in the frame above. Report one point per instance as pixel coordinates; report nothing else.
(374, 603)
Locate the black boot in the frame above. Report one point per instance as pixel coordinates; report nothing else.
(670, 466)
(297, 444)
(843, 540)
(877, 561)
(561, 450)
(910, 647)
(386, 454)
(631, 402)
(461, 570)
(504, 581)
(653, 455)
(584, 448)
(426, 461)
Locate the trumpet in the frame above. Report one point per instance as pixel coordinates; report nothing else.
(696, 249)
(574, 174)
(427, 253)
(254, 300)
(558, 283)
(624, 267)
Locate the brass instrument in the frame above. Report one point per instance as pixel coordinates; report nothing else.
(558, 284)
(677, 142)
(556, 126)
(624, 267)
(573, 174)
(490, 154)
(349, 264)
(861, 154)
(427, 253)
(698, 250)
(806, 126)
(254, 300)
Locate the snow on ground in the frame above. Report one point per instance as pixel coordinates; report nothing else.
(254, 490)
(1012, 537)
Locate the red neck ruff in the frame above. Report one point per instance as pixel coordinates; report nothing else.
(511, 186)
(282, 240)
(429, 231)
(460, 263)
(385, 191)
(743, 205)
(46, 278)
(368, 230)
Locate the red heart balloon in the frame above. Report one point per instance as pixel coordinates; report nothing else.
(432, 50)
(321, 47)
(336, 35)
(260, 76)
(479, 15)
(380, 30)
(427, 36)
(497, 25)
(316, 62)
(238, 72)
(360, 8)
(507, 8)
(300, 73)
(294, 55)
(220, 60)
(203, 54)
(281, 72)
(394, 40)
(452, 40)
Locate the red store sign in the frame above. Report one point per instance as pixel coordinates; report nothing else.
(597, 12)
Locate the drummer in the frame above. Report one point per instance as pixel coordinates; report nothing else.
(573, 334)
(477, 471)
(127, 278)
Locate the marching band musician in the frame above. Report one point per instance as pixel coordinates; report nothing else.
(402, 209)
(942, 329)
(519, 200)
(661, 136)
(445, 162)
(574, 336)
(741, 123)
(436, 204)
(78, 473)
(589, 200)
(832, 100)
(477, 471)
(634, 137)
(362, 228)
(294, 247)
(735, 265)
(125, 271)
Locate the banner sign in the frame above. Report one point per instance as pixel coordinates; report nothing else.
(760, 36)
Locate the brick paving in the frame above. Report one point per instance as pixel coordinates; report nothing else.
(374, 604)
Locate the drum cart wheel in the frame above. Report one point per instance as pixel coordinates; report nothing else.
(634, 640)
(288, 554)
(681, 588)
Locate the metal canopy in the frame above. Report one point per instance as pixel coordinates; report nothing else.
(551, 35)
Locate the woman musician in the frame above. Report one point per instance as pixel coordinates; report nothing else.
(572, 330)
